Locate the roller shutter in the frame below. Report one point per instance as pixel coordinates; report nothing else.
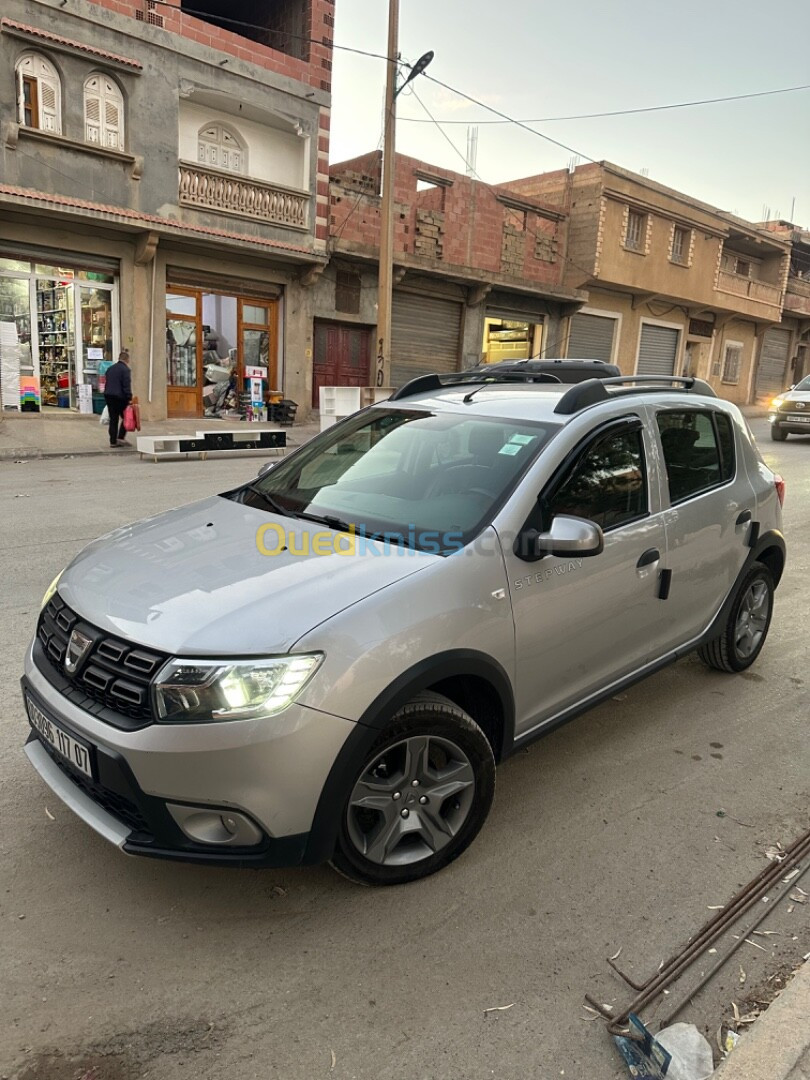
(773, 358)
(425, 336)
(658, 350)
(591, 338)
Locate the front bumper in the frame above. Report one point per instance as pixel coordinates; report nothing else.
(272, 772)
(791, 426)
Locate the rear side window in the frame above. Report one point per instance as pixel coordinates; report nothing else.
(698, 450)
(607, 484)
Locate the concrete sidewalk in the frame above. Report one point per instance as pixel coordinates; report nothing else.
(59, 433)
(777, 1047)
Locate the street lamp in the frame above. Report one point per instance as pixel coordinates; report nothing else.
(382, 376)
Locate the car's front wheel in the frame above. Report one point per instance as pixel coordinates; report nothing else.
(742, 637)
(420, 796)
(778, 434)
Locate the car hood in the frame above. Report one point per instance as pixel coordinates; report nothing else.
(193, 581)
(796, 395)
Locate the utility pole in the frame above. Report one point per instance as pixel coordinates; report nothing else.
(386, 271)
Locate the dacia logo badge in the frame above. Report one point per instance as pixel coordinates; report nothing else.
(77, 649)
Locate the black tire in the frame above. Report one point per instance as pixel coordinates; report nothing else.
(432, 732)
(778, 434)
(726, 651)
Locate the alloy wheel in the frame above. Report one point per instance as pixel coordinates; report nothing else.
(411, 800)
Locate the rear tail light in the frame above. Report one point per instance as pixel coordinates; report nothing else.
(779, 484)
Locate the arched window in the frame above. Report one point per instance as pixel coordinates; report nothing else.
(103, 112)
(222, 148)
(39, 94)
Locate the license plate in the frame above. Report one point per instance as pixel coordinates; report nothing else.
(65, 745)
(799, 419)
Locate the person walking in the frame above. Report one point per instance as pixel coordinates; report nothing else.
(117, 395)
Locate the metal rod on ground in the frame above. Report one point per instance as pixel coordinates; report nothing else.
(724, 916)
(695, 948)
(681, 1005)
(710, 932)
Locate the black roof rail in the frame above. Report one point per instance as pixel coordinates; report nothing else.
(423, 384)
(592, 391)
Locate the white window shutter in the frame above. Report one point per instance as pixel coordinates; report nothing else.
(112, 124)
(92, 117)
(49, 105)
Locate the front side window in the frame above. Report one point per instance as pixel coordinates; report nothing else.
(221, 148)
(415, 476)
(39, 94)
(103, 113)
(636, 235)
(698, 450)
(607, 484)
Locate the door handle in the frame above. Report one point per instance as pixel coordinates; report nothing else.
(651, 555)
(744, 517)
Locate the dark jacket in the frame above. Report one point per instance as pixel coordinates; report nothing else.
(119, 381)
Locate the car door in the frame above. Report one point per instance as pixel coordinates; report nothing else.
(709, 508)
(582, 623)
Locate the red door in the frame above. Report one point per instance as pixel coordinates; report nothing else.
(341, 357)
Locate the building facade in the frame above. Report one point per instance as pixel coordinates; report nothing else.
(164, 188)
(675, 286)
(792, 363)
(477, 275)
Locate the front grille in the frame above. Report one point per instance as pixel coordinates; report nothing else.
(111, 801)
(114, 672)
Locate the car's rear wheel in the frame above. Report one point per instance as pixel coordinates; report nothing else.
(420, 796)
(746, 628)
(778, 434)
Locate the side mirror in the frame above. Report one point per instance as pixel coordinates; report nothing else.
(268, 465)
(570, 536)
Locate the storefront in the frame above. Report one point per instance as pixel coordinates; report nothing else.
(217, 337)
(59, 331)
(511, 339)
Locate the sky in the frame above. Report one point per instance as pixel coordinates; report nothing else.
(535, 60)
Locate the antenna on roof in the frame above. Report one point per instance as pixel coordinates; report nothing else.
(472, 150)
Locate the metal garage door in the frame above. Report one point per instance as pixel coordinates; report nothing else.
(591, 338)
(425, 336)
(773, 358)
(658, 350)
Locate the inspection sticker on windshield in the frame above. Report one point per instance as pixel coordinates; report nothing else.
(523, 440)
(511, 449)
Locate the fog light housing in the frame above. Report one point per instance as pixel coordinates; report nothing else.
(223, 828)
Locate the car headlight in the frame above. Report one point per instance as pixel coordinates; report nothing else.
(776, 402)
(50, 590)
(206, 691)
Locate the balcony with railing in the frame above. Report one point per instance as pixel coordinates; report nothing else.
(797, 297)
(241, 196)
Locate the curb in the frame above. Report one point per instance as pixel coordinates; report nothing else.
(778, 1042)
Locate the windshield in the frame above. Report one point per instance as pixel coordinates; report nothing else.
(427, 480)
(804, 384)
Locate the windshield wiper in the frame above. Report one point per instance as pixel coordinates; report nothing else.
(336, 523)
(267, 499)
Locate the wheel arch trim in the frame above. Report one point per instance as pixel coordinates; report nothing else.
(418, 678)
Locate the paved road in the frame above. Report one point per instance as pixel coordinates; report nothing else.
(604, 835)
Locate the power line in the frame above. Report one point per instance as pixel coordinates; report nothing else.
(549, 345)
(509, 119)
(617, 112)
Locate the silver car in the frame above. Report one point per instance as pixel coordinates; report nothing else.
(328, 662)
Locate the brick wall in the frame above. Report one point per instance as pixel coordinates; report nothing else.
(458, 222)
(314, 17)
